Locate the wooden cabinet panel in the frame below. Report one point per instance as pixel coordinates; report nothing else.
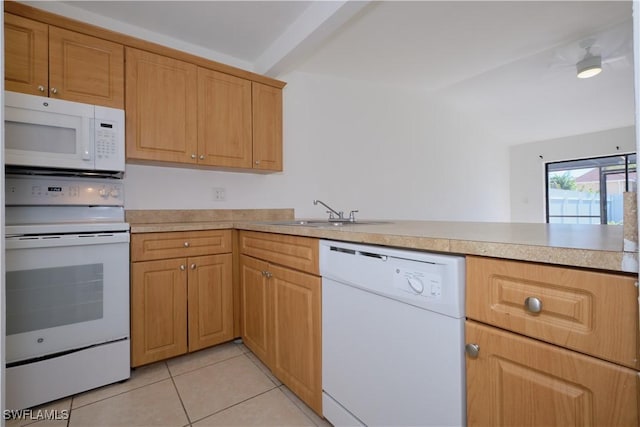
(26, 61)
(210, 296)
(591, 312)
(150, 246)
(159, 310)
(281, 309)
(256, 326)
(517, 381)
(300, 253)
(85, 69)
(297, 353)
(161, 108)
(267, 127)
(224, 120)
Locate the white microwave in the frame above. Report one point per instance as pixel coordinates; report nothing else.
(55, 134)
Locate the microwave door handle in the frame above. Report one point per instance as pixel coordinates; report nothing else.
(87, 140)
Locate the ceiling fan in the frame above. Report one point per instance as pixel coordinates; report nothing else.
(610, 49)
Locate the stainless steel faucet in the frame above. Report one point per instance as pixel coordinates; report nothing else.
(340, 215)
(331, 211)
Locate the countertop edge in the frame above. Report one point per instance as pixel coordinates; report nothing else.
(625, 262)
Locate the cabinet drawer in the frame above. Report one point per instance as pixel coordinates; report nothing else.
(300, 253)
(518, 381)
(591, 312)
(150, 246)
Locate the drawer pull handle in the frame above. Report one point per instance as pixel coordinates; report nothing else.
(533, 305)
(472, 350)
(186, 244)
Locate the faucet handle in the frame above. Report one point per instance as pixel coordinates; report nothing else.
(330, 214)
(352, 216)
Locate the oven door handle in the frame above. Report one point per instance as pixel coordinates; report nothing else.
(51, 241)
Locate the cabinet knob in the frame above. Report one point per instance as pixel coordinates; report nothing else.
(201, 157)
(41, 88)
(472, 350)
(192, 266)
(533, 305)
(182, 267)
(268, 274)
(54, 90)
(186, 244)
(193, 156)
(257, 162)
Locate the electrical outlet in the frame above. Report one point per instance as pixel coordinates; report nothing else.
(219, 194)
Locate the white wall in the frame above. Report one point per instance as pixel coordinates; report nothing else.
(528, 168)
(388, 152)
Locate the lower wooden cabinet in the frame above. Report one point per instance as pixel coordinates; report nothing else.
(550, 345)
(256, 310)
(519, 381)
(180, 304)
(281, 312)
(158, 310)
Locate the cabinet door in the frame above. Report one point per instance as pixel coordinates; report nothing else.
(85, 69)
(267, 127)
(256, 327)
(161, 108)
(158, 310)
(210, 301)
(588, 311)
(25, 61)
(297, 333)
(224, 119)
(519, 381)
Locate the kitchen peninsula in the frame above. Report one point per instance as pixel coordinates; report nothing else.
(564, 274)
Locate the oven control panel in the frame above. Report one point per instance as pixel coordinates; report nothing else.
(27, 190)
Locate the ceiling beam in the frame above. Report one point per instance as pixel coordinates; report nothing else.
(317, 23)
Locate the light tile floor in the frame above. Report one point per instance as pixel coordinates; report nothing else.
(224, 385)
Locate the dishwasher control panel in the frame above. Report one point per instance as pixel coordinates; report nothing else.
(419, 283)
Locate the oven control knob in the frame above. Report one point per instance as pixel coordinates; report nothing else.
(114, 193)
(103, 193)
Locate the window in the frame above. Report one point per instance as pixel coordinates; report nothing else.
(589, 191)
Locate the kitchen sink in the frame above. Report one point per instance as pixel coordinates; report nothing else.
(324, 223)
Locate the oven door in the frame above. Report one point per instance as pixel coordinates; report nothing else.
(65, 292)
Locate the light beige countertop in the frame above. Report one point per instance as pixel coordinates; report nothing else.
(590, 246)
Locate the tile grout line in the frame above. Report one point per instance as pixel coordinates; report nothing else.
(236, 404)
(189, 422)
(117, 394)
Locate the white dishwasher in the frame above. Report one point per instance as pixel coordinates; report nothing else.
(392, 336)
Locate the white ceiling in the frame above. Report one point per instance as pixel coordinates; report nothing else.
(508, 63)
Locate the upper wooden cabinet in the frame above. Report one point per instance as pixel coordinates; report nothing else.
(180, 113)
(161, 108)
(45, 60)
(180, 108)
(267, 127)
(224, 120)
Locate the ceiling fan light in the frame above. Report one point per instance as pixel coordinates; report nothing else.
(590, 66)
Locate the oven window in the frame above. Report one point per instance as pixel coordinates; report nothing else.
(48, 297)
